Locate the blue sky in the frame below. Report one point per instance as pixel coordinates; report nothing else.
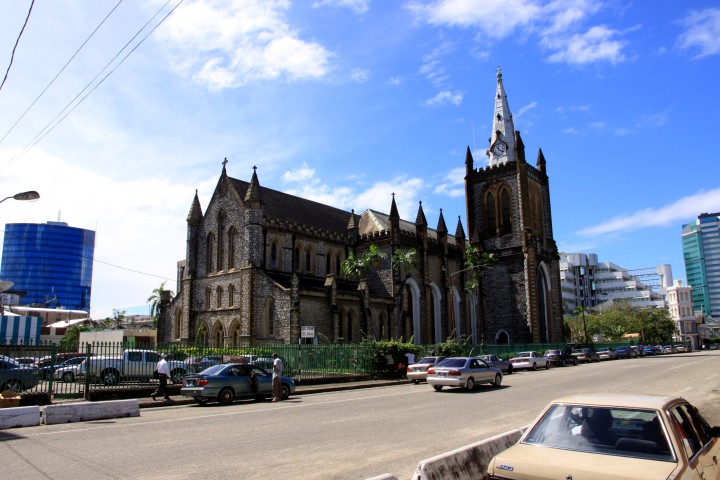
(348, 101)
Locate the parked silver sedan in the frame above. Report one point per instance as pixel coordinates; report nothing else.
(530, 360)
(463, 372)
(418, 371)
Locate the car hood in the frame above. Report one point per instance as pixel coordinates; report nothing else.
(532, 462)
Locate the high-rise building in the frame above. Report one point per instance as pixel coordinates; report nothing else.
(701, 251)
(50, 263)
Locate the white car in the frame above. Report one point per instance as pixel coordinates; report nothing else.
(418, 371)
(463, 372)
(530, 361)
(67, 373)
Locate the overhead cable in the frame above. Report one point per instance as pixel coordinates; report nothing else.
(50, 127)
(60, 72)
(12, 56)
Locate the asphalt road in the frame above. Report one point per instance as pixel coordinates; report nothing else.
(352, 434)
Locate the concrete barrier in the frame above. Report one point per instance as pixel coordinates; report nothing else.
(83, 411)
(470, 462)
(19, 417)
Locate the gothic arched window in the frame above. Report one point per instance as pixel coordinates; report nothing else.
(505, 209)
(232, 235)
(231, 295)
(210, 251)
(221, 240)
(490, 215)
(218, 300)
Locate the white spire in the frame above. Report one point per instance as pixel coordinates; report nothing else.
(502, 141)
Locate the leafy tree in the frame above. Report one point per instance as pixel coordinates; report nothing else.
(357, 267)
(154, 301)
(71, 340)
(475, 264)
(402, 259)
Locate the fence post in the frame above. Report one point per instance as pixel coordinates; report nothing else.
(86, 393)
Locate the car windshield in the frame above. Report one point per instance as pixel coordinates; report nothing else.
(427, 360)
(524, 354)
(453, 363)
(617, 431)
(552, 352)
(214, 370)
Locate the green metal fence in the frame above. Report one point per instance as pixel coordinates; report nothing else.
(78, 373)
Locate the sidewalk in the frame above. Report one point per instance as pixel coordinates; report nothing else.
(147, 402)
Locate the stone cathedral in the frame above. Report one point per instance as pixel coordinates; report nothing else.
(264, 267)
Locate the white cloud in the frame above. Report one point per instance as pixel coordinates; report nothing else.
(595, 45)
(557, 23)
(680, 211)
(444, 98)
(526, 109)
(357, 6)
(228, 43)
(496, 18)
(453, 184)
(702, 31)
(360, 75)
(301, 174)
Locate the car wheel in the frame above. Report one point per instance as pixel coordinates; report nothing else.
(177, 376)
(563, 363)
(437, 387)
(284, 391)
(470, 385)
(575, 362)
(547, 365)
(416, 382)
(498, 381)
(14, 385)
(226, 396)
(510, 370)
(110, 378)
(534, 367)
(68, 377)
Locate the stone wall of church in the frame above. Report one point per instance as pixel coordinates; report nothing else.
(504, 287)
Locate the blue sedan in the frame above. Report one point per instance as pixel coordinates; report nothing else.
(226, 382)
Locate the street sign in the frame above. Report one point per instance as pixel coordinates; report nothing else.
(307, 331)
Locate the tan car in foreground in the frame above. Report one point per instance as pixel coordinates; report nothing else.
(605, 436)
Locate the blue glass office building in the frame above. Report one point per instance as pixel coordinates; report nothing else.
(51, 262)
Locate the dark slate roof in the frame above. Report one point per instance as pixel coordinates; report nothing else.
(283, 206)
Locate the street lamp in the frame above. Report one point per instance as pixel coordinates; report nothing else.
(24, 196)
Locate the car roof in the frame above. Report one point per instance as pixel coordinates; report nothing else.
(658, 402)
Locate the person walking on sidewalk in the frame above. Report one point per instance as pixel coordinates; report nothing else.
(163, 370)
(277, 373)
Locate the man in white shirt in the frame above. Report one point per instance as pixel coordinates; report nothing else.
(277, 373)
(163, 370)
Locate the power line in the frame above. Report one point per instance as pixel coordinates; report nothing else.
(48, 128)
(12, 56)
(61, 71)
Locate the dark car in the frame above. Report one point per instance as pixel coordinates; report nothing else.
(47, 370)
(227, 381)
(561, 357)
(16, 377)
(625, 352)
(494, 361)
(650, 351)
(586, 355)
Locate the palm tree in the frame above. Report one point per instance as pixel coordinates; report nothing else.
(154, 301)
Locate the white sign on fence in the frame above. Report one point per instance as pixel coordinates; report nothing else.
(307, 331)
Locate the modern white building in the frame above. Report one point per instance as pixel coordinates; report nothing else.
(589, 283)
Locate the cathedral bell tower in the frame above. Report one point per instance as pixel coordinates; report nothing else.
(508, 207)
